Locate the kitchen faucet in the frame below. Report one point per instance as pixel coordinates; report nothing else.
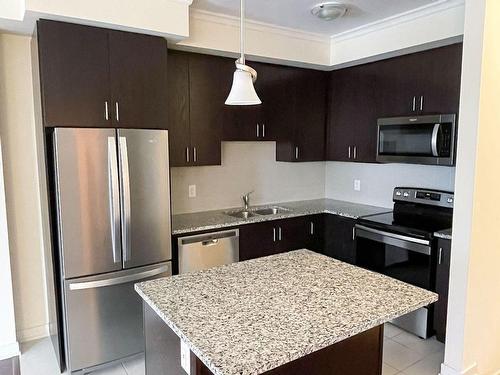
(246, 199)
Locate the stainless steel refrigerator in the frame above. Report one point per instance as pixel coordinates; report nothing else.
(111, 193)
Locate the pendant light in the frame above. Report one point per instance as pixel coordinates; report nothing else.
(242, 91)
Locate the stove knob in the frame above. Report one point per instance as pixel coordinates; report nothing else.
(398, 193)
(450, 200)
(406, 194)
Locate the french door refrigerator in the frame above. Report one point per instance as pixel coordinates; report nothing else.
(112, 199)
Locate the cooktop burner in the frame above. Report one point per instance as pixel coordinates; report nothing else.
(417, 212)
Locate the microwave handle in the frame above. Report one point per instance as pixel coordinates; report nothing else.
(434, 140)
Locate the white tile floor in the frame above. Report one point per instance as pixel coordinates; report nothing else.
(404, 354)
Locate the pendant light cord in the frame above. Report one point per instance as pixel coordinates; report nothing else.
(242, 32)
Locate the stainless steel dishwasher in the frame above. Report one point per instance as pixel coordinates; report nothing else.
(208, 250)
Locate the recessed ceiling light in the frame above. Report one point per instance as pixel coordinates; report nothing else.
(329, 11)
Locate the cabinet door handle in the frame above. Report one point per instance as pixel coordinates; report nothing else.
(421, 102)
(353, 233)
(195, 155)
(349, 152)
(355, 152)
(279, 233)
(117, 112)
(263, 130)
(258, 133)
(106, 110)
(414, 107)
(187, 154)
(274, 234)
(440, 255)
(296, 152)
(312, 228)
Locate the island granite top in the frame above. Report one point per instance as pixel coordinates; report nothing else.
(250, 317)
(208, 220)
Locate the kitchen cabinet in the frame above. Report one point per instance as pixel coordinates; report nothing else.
(276, 236)
(352, 114)
(442, 285)
(339, 238)
(304, 129)
(425, 82)
(198, 86)
(93, 77)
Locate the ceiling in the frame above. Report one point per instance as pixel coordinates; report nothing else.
(296, 14)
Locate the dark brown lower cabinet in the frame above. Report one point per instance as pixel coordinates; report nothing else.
(359, 354)
(339, 238)
(259, 239)
(442, 285)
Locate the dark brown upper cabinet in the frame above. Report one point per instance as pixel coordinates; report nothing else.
(302, 137)
(93, 77)
(352, 114)
(425, 82)
(198, 86)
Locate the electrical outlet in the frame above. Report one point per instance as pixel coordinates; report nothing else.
(192, 191)
(357, 185)
(185, 357)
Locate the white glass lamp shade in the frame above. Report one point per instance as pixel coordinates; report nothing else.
(242, 91)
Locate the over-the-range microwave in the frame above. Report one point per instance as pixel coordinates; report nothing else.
(417, 140)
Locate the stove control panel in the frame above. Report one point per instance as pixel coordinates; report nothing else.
(424, 196)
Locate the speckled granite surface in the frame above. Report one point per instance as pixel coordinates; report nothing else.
(207, 220)
(445, 234)
(250, 317)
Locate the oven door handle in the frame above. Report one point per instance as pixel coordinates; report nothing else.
(408, 243)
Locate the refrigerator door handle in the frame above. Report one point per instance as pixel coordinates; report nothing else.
(114, 206)
(125, 196)
(119, 280)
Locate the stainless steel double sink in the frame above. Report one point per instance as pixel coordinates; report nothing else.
(264, 211)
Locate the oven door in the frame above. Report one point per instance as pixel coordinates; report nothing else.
(419, 140)
(399, 256)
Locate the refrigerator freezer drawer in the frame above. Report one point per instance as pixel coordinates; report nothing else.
(103, 316)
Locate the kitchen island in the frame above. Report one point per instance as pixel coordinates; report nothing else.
(296, 312)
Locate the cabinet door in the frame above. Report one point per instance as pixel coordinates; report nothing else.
(293, 233)
(276, 93)
(258, 240)
(339, 241)
(310, 115)
(399, 85)
(138, 65)
(343, 102)
(442, 285)
(178, 109)
(74, 74)
(210, 78)
(316, 237)
(441, 81)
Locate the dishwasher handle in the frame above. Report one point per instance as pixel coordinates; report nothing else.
(208, 239)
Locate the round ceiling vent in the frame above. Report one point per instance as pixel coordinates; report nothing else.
(329, 11)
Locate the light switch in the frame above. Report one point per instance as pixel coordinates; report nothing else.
(192, 191)
(357, 185)
(185, 358)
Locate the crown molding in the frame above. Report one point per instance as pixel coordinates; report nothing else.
(227, 20)
(397, 19)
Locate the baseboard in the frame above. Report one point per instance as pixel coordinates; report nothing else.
(9, 350)
(33, 333)
(447, 370)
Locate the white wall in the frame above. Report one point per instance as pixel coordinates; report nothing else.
(17, 129)
(473, 330)
(379, 180)
(8, 341)
(246, 166)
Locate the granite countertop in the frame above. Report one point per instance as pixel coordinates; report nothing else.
(208, 220)
(250, 317)
(445, 234)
